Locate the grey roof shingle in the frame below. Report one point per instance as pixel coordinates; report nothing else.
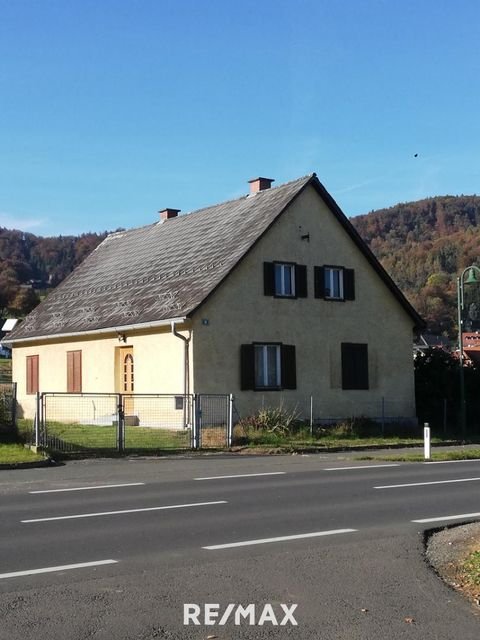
(160, 271)
(165, 271)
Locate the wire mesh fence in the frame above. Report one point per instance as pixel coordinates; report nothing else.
(123, 423)
(157, 421)
(8, 403)
(213, 418)
(79, 422)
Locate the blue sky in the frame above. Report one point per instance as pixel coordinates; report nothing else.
(113, 109)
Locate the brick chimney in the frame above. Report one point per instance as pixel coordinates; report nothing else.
(166, 214)
(260, 184)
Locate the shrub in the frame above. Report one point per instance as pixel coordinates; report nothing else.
(269, 425)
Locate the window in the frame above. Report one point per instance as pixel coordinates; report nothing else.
(179, 403)
(32, 374)
(354, 366)
(285, 280)
(74, 371)
(334, 283)
(268, 366)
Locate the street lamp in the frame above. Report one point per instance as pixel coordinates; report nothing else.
(472, 278)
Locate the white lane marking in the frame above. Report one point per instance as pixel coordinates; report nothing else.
(114, 513)
(370, 466)
(244, 475)
(424, 484)
(461, 516)
(451, 461)
(247, 543)
(62, 567)
(99, 486)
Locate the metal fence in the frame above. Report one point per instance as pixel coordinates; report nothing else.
(124, 423)
(8, 404)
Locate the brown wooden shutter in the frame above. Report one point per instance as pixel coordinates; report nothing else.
(32, 374)
(354, 366)
(289, 367)
(300, 281)
(74, 371)
(319, 282)
(349, 284)
(247, 367)
(268, 279)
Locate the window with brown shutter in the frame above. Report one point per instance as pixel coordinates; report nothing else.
(267, 367)
(32, 375)
(354, 366)
(284, 280)
(74, 371)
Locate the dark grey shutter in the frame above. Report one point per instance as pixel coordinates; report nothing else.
(247, 367)
(300, 281)
(319, 281)
(268, 279)
(289, 366)
(349, 284)
(354, 366)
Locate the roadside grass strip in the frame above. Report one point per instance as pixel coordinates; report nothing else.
(100, 486)
(124, 511)
(425, 484)
(244, 475)
(62, 567)
(300, 536)
(461, 516)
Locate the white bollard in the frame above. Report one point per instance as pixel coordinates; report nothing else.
(426, 441)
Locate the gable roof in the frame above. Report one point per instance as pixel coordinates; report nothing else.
(165, 271)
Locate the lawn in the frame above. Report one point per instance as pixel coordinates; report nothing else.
(16, 453)
(84, 436)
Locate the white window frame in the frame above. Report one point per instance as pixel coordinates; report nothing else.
(282, 268)
(329, 278)
(261, 381)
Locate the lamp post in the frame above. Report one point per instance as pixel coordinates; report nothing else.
(472, 278)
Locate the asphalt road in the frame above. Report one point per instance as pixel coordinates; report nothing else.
(115, 548)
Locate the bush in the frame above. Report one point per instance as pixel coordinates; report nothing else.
(268, 426)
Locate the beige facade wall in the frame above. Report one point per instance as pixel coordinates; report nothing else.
(239, 312)
(159, 360)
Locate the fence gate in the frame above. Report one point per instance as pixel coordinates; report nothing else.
(214, 420)
(156, 421)
(77, 422)
(125, 423)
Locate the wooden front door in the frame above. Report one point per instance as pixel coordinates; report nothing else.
(127, 377)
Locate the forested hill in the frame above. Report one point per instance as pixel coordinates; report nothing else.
(30, 265)
(424, 245)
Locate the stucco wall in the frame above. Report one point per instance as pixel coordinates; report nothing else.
(158, 361)
(239, 312)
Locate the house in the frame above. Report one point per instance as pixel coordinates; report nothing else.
(272, 297)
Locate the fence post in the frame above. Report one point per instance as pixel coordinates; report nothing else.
(120, 424)
(383, 417)
(37, 420)
(230, 421)
(196, 422)
(311, 416)
(14, 405)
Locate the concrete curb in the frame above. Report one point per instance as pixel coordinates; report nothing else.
(27, 465)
